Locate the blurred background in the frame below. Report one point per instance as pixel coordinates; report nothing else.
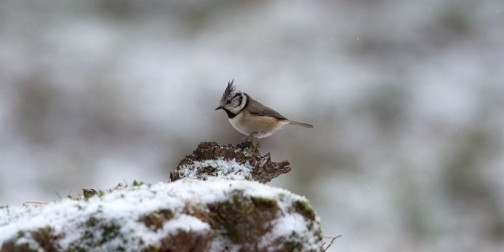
(407, 99)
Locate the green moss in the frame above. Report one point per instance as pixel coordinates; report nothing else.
(230, 227)
(88, 193)
(20, 234)
(318, 233)
(266, 202)
(137, 183)
(293, 246)
(293, 243)
(227, 216)
(151, 248)
(101, 193)
(243, 219)
(304, 208)
(109, 232)
(98, 232)
(92, 222)
(230, 216)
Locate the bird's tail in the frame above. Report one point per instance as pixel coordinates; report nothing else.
(306, 125)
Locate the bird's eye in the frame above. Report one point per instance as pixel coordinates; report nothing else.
(228, 102)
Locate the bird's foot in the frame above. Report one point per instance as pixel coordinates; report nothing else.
(251, 138)
(250, 142)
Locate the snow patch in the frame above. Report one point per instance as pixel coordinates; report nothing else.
(186, 223)
(224, 169)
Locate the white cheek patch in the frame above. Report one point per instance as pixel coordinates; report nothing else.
(243, 102)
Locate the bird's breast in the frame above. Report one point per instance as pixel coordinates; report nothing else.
(261, 126)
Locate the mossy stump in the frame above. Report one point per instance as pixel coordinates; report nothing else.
(259, 167)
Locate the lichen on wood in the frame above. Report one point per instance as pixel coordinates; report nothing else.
(242, 161)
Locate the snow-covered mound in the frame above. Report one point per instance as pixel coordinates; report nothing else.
(186, 215)
(216, 202)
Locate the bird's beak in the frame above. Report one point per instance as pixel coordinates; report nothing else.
(220, 107)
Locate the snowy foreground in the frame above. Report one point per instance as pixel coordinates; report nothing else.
(185, 215)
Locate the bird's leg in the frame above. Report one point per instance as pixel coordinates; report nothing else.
(250, 138)
(251, 142)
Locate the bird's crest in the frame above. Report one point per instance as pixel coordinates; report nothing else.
(229, 92)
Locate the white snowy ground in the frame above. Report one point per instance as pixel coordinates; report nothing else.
(127, 204)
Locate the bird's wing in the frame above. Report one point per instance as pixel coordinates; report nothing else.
(256, 108)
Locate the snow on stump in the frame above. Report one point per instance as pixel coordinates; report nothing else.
(243, 162)
(194, 213)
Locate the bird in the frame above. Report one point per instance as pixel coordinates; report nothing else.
(251, 117)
